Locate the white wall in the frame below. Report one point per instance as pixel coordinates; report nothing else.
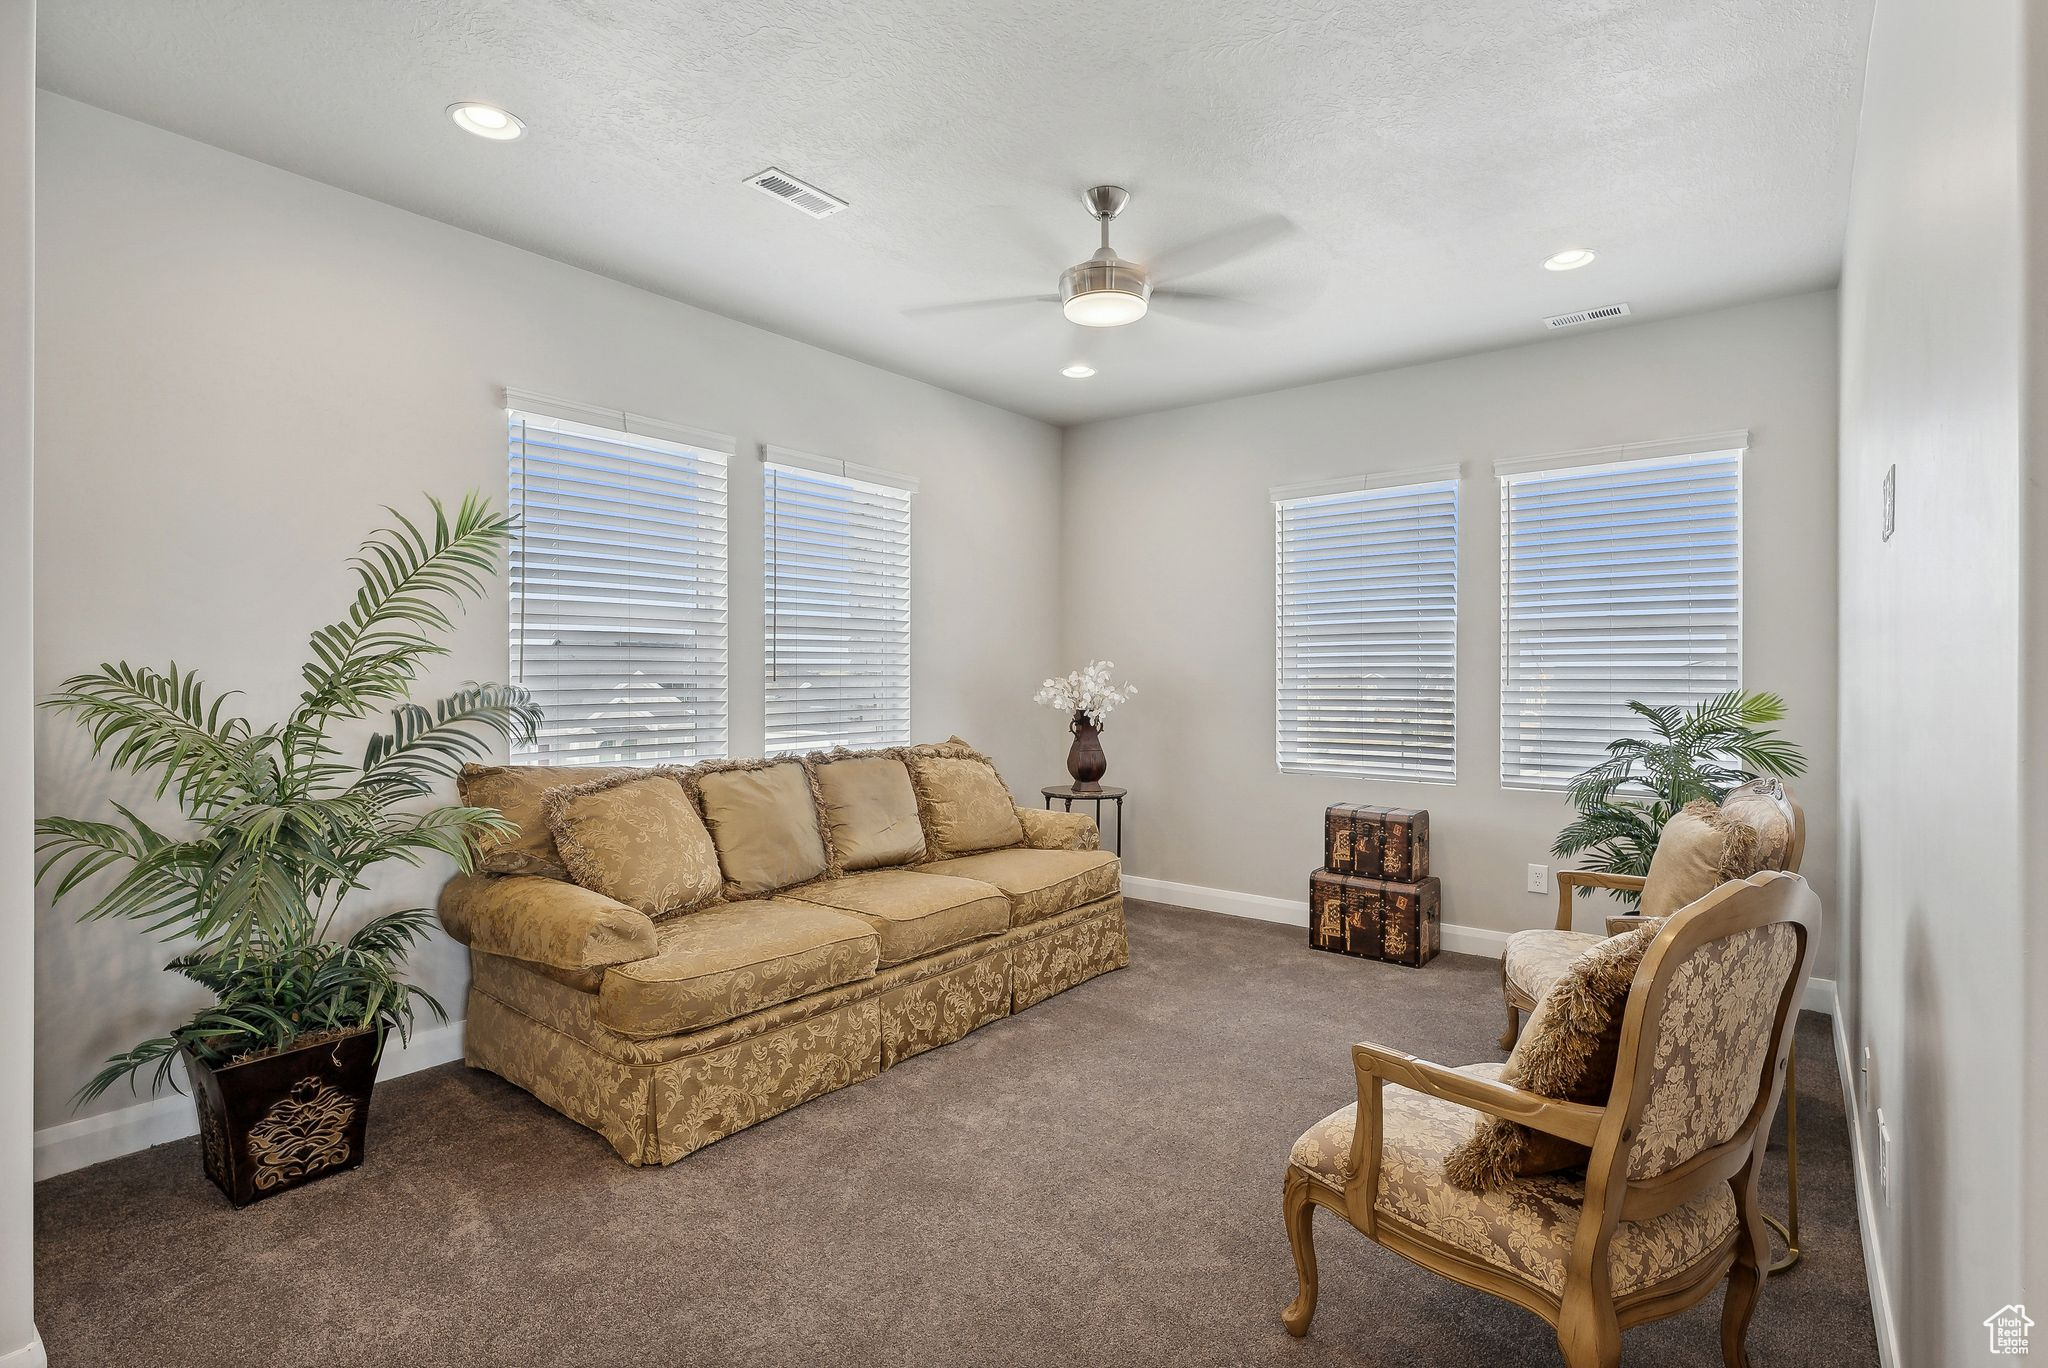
(18, 1345)
(239, 366)
(1169, 536)
(1937, 755)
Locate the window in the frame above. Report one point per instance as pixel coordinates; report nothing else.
(1620, 579)
(837, 553)
(1368, 629)
(618, 584)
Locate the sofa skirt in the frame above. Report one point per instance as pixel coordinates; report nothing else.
(658, 1100)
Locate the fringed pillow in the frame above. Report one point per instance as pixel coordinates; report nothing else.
(1567, 1052)
(635, 838)
(1700, 849)
(965, 805)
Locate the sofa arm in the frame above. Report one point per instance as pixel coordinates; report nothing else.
(1048, 830)
(544, 921)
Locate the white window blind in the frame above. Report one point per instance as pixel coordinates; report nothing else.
(618, 581)
(1619, 580)
(837, 561)
(1368, 631)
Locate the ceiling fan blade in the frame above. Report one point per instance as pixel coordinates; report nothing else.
(1202, 307)
(975, 305)
(1221, 248)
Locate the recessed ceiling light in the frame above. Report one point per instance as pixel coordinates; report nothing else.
(1569, 260)
(486, 121)
(1078, 371)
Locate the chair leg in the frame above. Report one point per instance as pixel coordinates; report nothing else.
(1746, 1278)
(1588, 1332)
(1507, 1039)
(1300, 1214)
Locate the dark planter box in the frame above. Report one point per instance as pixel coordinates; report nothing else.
(276, 1123)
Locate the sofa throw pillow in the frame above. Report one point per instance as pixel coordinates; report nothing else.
(870, 809)
(1567, 1051)
(965, 804)
(765, 820)
(516, 792)
(1700, 849)
(1763, 804)
(637, 839)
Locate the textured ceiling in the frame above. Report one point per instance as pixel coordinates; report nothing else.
(1430, 152)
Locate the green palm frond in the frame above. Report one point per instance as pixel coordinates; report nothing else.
(424, 747)
(407, 580)
(142, 720)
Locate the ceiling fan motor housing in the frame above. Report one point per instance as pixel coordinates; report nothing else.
(1105, 290)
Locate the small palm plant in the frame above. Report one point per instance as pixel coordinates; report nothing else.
(281, 830)
(1703, 751)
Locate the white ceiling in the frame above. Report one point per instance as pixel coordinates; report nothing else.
(1431, 153)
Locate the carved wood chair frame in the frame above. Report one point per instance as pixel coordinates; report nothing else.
(1588, 1317)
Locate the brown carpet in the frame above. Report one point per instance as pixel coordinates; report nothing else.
(1096, 1181)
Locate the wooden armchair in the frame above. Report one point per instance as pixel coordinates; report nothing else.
(1667, 1206)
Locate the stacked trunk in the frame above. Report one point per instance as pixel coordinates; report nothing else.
(1374, 896)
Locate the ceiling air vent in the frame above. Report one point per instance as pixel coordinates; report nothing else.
(794, 192)
(1584, 316)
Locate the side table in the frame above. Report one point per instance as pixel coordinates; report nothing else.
(1067, 793)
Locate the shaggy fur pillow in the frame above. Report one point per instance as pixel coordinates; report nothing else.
(1567, 1051)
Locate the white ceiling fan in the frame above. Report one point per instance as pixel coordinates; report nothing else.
(1106, 291)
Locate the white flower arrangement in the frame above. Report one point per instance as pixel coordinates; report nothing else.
(1087, 690)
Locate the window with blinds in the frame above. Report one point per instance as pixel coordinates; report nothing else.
(618, 580)
(1620, 579)
(836, 547)
(1368, 630)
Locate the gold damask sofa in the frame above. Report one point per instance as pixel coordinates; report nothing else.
(671, 955)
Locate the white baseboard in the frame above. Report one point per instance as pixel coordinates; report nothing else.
(109, 1135)
(29, 1355)
(1883, 1316)
(1459, 940)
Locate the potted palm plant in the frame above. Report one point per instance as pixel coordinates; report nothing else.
(278, 832)
(1623, 802)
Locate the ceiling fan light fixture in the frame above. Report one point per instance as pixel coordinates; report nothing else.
(1105, 291)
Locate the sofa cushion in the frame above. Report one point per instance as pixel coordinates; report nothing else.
(712, 966)
(1567, 1051)
(963, 802)
(914, 914)
(764, 820)
(516, 792)
(870, 810)
(1039, 883)
(637, 839)
(1700, 849)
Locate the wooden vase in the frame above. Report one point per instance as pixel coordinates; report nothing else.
(1085, 760)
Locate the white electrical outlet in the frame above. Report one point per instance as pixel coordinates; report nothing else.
(1884, 1159)
(1539, 878)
